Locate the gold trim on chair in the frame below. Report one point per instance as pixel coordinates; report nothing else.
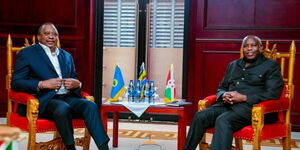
(32, 109)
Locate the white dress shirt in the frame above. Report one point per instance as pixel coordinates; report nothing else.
(54, 60)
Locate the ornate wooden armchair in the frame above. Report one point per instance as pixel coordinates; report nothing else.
(259, 131)
(31, 123)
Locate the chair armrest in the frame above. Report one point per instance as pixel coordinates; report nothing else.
(87, 96)
(32, 109)
(206, 102)
(30, 101)
(20, 97)
(269, 106)
(257, 120)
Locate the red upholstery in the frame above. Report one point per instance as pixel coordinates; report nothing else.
(266, 133)
(268, 129)
(211, 99)
(42, 125)
(19, 97)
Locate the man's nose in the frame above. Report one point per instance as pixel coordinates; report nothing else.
(51, 36)
(249, 47)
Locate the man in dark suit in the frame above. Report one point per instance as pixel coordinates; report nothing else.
(49, 73)
(247, 81)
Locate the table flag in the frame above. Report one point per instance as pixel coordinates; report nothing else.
(117, 85)
(170, 90)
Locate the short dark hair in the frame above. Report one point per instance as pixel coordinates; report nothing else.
(254, 37)
(43, 25)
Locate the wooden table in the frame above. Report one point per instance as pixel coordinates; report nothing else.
(154, 109)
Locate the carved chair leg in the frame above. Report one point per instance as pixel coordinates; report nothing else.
(286, 141)
(238, 144)
(256, 144)
(31, 139)
(87, 139)
(56, 135)
(203, 145)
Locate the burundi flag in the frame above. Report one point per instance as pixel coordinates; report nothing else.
(117, 85)
(143, 79)
(170, 90)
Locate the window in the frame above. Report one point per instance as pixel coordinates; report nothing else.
(166, 23)
(119, 23)
(165, 26)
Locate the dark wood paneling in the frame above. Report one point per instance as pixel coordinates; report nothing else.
(63, 12)
(21, 19)
(214, 66)
(254, 14)
(235, 19)
(15, 11)
(217, 16)
(272, 13)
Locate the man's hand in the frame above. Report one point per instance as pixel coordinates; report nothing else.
(227, 98)
(71, 83)
(54, 83)
(234, 97)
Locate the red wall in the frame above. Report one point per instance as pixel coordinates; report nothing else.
(220, 26)
(75, 23)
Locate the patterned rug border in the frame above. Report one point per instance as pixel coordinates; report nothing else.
(162, 135)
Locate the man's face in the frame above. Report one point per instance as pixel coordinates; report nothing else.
(48, 36)
(251, 48)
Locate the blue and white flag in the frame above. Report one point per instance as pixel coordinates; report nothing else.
(117, 85)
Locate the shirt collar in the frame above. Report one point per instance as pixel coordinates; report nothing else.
(48, 51)
(260, 58)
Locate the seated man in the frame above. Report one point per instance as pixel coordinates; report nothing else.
(49, 73)
(246, 82)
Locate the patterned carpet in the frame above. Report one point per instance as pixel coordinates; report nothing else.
(144, 134)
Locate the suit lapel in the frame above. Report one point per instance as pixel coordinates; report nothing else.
(62, 63)
(44, 56)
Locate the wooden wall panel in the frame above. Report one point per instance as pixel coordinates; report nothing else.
(270, 14)
(220, 27)
(217, 16)
(21, 19)
(65, 9)
(15, 11)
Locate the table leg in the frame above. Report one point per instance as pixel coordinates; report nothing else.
(115, 128)
(182, 122)
(104, 119)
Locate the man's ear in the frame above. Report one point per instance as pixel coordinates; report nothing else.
(38, 37)
(261, 47)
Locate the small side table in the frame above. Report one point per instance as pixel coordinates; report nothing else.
(156, 109)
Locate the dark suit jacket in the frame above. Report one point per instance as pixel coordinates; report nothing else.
(33, 65)
(260, 81)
